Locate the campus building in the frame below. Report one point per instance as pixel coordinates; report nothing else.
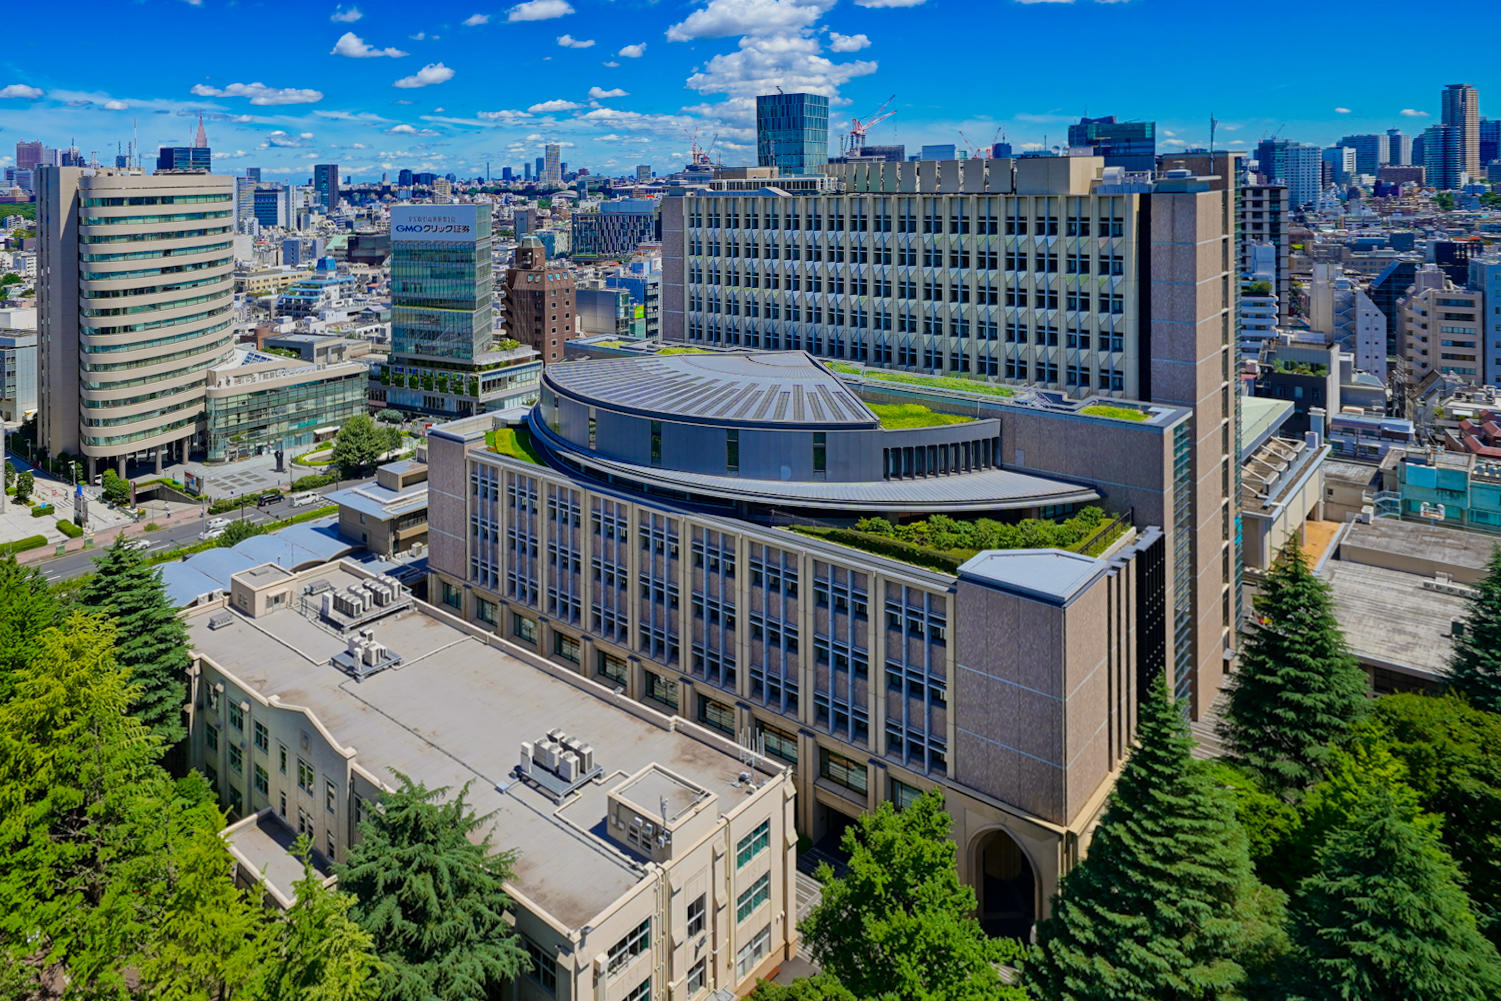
(688, 541)
(260, 402)
(1055, 272)
(655, 857)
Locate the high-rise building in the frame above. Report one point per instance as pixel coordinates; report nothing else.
(254, 174)
(269, 206)
(184, 158)
(28, 154)
(1339, 164)
(792, 132)
(1443, 156)
(1295, 165)
(1398, 148)
(617, 229)
(1485, 278)
(1443, 328)
(539, 301)
(326, 186)
(1387, 290)
(1132, 145)
(938, 151)
(123, 361)
(244, 201)
(1461, 110)
(1117, 312)
(1263, 219)
(1372, 152)
(404, 178)
(552, 169)
(643, 171)
(538, 168)
(1490, 143)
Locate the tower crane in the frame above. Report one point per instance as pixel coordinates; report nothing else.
(859, 128)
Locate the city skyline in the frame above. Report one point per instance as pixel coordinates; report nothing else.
(377, 88)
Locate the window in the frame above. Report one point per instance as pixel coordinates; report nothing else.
(641, 992)
(716, 715)
(753, 844)
(330, 797)
(663, 690)
(636, 941)
(698, 977)
(696, 915)
(304, 776)
(453, 596)
(750, 954)
(237, 716)
(523, 628)
(656, 443)
(566, 647)
(262, 741)
(611, 667)
(262, 781)
(842, 771)
(544, 971)
(211, 737)
(755, 895)
(236, 758)
(778, 743)
(903, 795)
(485, 611)
(213, 699)
(281, 755)
(732, 451)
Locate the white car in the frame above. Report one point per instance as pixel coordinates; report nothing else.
(210, 533)
(306, 498)
(137, 545)
(218, 524)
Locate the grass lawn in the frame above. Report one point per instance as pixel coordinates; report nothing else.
(949, 382)
(684, 351)
(1119, 413)
(896, 416)
(515, 442)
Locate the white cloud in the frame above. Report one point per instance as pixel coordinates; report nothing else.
(418, 37)
(722, 18)
(555, 105)
(259, 93)
(407, 130)
(427, 76)
(847, 43)
(764, 63)
(919, 3)
(1406, 112)
(599, 93)
(539, 10)
(1341, 111)
(351, 116)
(505, 115)
(633, 51)
(349, 16)
(474, 20)
(304, 135)
(21, 90)
(612, 64)
(569, 42)
(113, 105)
(353, 46)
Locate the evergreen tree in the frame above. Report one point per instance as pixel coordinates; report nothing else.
(153, 642)
(1297, 688)
(238, 531)
(899, 923)
(1475, 671)
(823, 987)
(1164, 906)
(1384, 915)
(27, 609)
(432, 900)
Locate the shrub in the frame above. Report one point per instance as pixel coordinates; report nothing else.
(21, 545)
(314, 480)
(69, 529)
(41, 510)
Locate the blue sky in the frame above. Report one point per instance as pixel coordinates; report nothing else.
(377, 86)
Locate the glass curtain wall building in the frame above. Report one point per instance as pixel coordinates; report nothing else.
(440, 281)
(792, 131)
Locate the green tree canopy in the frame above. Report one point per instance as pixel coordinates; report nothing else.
(899, 923)
(1475, 671)
(823, 987)
(1164, 907)
(432, 900)
(238, 531)
(361, 443)
(1297, 688)
(1383, 916)
(153, 642)
(27, 609)
(25, 484)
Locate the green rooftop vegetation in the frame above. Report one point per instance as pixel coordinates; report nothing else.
(1258, 288)
(684, 351)
(897, 416)
(515, 442)
(943, 543)
(1119, 413)
(1289, 367)
(949, 382)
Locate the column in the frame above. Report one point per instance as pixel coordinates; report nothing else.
(158, 451)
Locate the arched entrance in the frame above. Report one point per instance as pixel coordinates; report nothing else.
(1005, 885)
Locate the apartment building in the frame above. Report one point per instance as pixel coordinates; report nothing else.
(1052, 271)
(655, 858)
(1443, 330)
(540, 308)
(136, 304)
(1262, 217)
(651, 551)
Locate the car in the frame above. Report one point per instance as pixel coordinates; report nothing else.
(218, 523)
(210, 533)
(136, 545)
(268, 499)
(305, 498)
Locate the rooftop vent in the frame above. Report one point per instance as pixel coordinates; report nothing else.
(364, 656)
(221, 620)
(557, 764)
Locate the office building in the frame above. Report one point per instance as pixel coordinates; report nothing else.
(1372, 152)
(1443, 157)
(539, 301)
(938, 151)
(1035, 271)
(1387, 290)
(1262, 212)
(655, 858)
(259, 402)
(1338, 166)
(244, 202)
(270, 206)
(28, 154)
(1293, 165)
(1398, 148)
(1490, 144)
(643, 171)
(1132, 145)
(1461, 112)
(18, 363)
(1485, 278)
(326, 186)
(646, 552)
(404, 178)
(253, 173)
(123, 359)
(184, 158)
(792, 132)
(617, 229)
(538, 171)
(523, 222)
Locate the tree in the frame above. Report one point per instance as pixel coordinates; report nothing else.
(432, 900)
(238, 531)
(25, 483)
(1475, 671)
(823, 987)
(1164, 906)
(899, 923)
(116, 488)
(360, 444)
(1297, 688)
(1384, 915)
(153, 644)
(27, 609)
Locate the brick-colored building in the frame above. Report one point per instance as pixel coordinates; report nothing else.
(540, 301)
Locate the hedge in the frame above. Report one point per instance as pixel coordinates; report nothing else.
(314, 480)
(884, 546)
(21, 545)
(41, 510)
(69, 529)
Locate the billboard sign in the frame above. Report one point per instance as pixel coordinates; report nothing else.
(436, 223)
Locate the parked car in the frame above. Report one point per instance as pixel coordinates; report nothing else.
(305, 498)
(268, 499)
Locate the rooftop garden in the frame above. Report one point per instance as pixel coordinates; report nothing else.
(1289, 367)
(942, 543)
(899, 416)
(514, 442)
(949, 382)
(1118, 413)
(684, 351)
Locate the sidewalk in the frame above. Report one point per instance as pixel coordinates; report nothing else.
(105, 537)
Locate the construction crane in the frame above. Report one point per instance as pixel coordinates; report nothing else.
(976, 153)
(696, 156)
(859, 128)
